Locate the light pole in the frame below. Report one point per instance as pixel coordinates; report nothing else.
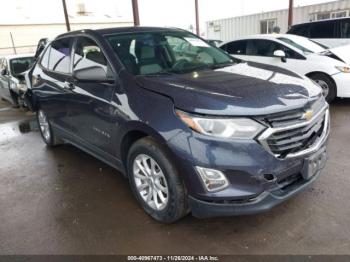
(66, 15)
(135, 12)
(290, 13)
(197, 18)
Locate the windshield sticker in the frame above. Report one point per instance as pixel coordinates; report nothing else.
(196, 42)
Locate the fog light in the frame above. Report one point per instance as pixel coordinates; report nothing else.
(213, 180)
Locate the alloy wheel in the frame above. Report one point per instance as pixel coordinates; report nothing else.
(44, 125)
(324, 86)
(150, 182)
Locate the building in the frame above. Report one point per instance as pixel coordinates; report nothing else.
(264, 23)
(21, 33)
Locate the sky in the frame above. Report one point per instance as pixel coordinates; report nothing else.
(173, 13)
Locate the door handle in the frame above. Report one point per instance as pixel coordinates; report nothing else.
(68, 85)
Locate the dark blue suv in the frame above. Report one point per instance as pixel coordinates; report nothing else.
(193, 129)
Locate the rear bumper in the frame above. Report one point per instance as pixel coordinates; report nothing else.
(260, 204)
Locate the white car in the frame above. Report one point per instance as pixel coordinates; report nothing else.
(329, 68)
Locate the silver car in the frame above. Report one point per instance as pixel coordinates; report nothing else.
(12, 82)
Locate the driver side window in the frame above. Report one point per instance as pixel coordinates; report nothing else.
(88, 54)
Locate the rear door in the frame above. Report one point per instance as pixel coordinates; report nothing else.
(52, 80)
(89, 104)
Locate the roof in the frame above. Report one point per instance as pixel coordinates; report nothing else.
(118, 30)
(267, 36)
(322, 21)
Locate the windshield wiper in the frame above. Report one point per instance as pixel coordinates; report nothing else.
(222, 65)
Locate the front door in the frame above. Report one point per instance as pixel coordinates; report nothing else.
(90, 112)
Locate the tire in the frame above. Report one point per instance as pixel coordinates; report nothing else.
(46, 130)
(164, 181)
(327, 84)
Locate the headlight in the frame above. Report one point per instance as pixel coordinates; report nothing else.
(344, 69)
(236, 128)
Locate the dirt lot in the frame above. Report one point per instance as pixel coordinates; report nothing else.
(62, 201)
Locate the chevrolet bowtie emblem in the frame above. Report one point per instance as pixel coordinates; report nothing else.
(308, 115)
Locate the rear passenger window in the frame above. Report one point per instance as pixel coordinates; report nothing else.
(237, 48)
(59, 60)
(345, 29)
(322, 30)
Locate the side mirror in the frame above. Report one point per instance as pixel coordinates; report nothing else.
(281, 54)
(3, 72)
(91, 74)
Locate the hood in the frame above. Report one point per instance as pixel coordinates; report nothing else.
(237, 90)
(343, 52)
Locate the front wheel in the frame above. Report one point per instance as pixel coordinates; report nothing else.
(155, 181)
(327, 85)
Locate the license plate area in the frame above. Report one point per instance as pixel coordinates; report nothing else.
(314, 164)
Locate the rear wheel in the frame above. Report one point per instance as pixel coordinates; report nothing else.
(327, 85)
(155, 181)
(46, 130)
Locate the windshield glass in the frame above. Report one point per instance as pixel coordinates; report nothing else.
(165, 52)
(20, 65)
(303, 44)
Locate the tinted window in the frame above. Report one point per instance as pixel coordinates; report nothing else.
(267, 48)
(59, 60)
(88, 54)
(20, 65)
(345, 29)
(322, 30)
(301, 30)
(260, 47)
(237, 48)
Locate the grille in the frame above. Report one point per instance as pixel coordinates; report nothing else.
(291, 133)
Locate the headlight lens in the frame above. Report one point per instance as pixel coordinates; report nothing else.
(236, 128)
(344, 69)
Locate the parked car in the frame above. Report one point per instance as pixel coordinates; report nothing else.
(12, 82)
(208, 134)
(329, 68)
(332, 33)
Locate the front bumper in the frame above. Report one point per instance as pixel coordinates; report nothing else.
(342, 81)
(263, 203)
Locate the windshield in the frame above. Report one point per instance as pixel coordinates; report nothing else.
(303, 44)
(20, 65)
(163, 52)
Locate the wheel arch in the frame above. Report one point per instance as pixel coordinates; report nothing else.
(133, 133)
(309, 75)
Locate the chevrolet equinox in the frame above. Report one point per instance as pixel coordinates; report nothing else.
(193, 129)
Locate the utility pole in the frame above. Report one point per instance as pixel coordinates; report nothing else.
(135, 12)
(290, 13)
(197, 18)
(66, 15)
